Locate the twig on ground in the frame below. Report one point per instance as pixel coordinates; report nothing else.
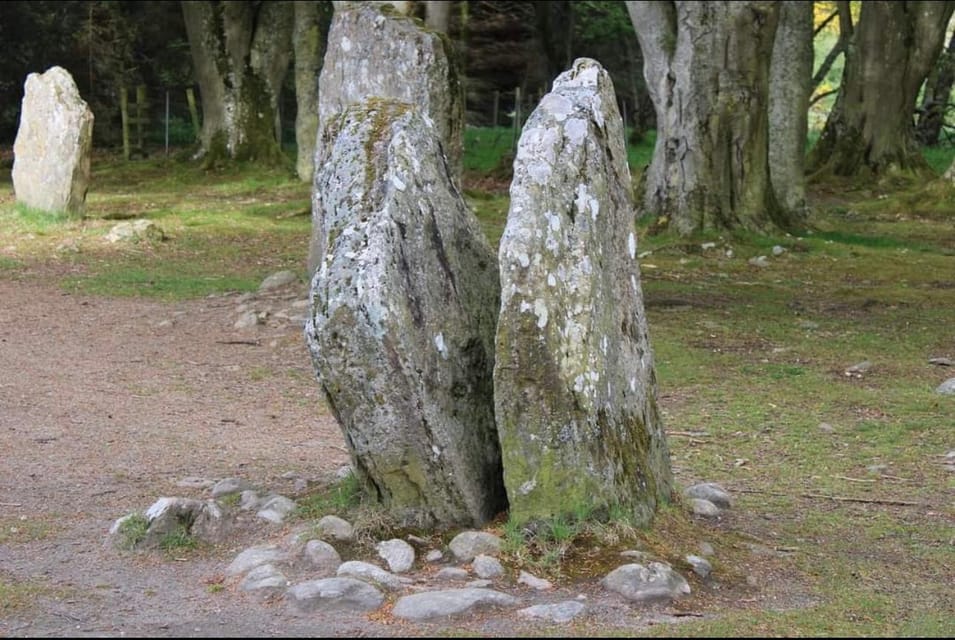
(854, 479)
(254, 343)
(822, 496)
(11, 504)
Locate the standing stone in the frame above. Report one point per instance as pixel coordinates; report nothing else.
(375, 52)
(401, 330)
(51, 166)
(575, 389)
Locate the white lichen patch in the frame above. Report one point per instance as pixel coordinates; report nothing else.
(527, 487)
(540, 310)
(346, 44)
(632, 246)
(557, 106)
(397, 182)
(439, 344)
(575, 130)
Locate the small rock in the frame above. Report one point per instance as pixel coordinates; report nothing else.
(708, 245)
(778, 250)
(759, 261)
(450, 602)
(479, 584)
(322, 558)
(228, 486)
(704, 508)
(452, 574)
(487, 567)
(534, 582)
(249, 500)
(809, 325)
(468, 544)
(276, 509)
(710, 491)
(264, 577)
(636, 555)
(706, 549)
(701, 566)
(247, 320)
(877, 468)
(335, 528)
(942, 362)
(825, 427)
(947, 388)
(277, 280)
(397, 553)
(366, 571)
(254, 557)
(435, 555)
(651, 583)
(136, 231)
(334, 594)
(859, 369)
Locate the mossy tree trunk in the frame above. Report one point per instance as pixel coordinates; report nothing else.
(707, 68)
(309, 38)
(938, 89)
(241, 53)
(790, 84)
(869, 130)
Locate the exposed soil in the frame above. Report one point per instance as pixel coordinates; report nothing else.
(107, 403)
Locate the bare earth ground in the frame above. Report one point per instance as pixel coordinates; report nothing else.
(108, 402)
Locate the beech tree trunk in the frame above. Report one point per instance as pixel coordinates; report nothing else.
(437, 15)
(241, 52)
(707, 68)
(790, 84)
(869, 130)
(938, 89)
(309, 36)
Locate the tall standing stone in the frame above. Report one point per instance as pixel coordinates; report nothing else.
(51, 166)
(575, 389)
(404, 307)
(376, 52)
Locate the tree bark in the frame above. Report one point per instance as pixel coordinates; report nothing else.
(938, 88)
(707, 69)
(241, 53)
(308, 42)
(790, 84)
(437, 15)
(869, 131)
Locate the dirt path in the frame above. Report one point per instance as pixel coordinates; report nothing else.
(104, 405)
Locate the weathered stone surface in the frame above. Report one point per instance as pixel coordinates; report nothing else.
(376, 54)
(367, 571)
(335, 528)
(575, 389)
(168, 516)
(276, 508)
(487, 567)
(947, 388)
(397, 553)
(51, 166)
(264, 578)
(401, 332)
(701, 566)
(652, 583)
(228, 486)
(136, 231)
(710, 491)
(322, 558)
(334, 594)
(704, 508)
(277, 280)
(534, 582)
(450, 602)
(255, 557)
(559, 612)
(468, 544)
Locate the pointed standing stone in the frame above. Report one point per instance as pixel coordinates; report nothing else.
(378, 53)
(575, 389)
(401, 333)
(51, 166)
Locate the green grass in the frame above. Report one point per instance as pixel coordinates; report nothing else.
(133, 530)
(749, 362)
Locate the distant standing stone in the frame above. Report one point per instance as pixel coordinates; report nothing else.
(51, 166)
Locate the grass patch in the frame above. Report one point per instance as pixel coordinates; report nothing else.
(24, 529)
(17, 595)
(132, 530)
(339, 499)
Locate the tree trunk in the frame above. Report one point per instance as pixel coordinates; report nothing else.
(790, 84)
(938, 89)
(869, 130)
(707, 69)
(312, 20)
(241, 53)
(437, 15)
